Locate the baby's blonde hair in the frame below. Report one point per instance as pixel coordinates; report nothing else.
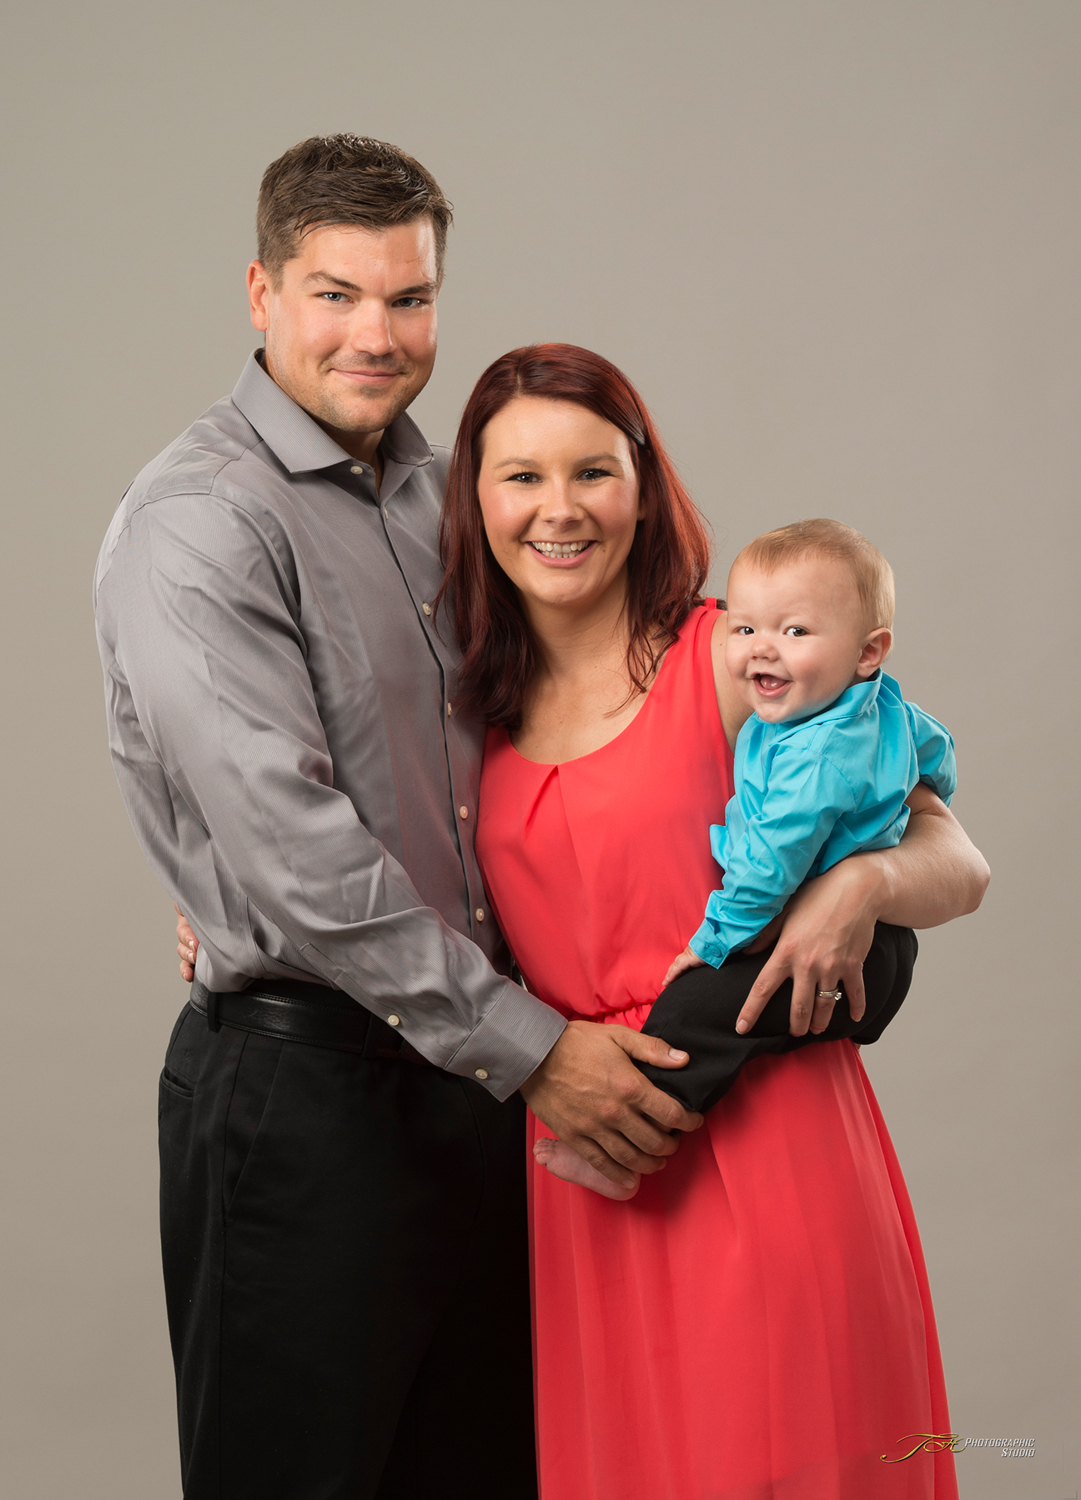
(870, 571)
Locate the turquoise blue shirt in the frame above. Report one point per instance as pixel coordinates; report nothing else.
(811, 791)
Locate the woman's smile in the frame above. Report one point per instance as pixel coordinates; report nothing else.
(562, 554)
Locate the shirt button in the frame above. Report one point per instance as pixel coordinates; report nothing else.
(463, 812)
(448, 710)
(394, 1020)
(481, 1073)
(356, 469)
(480, 913)
(427, 608)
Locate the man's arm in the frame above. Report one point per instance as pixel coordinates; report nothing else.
(932, 876)
(198, 622)
(213, 707)
(585, 1069)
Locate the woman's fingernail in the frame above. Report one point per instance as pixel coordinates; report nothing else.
(741, 1027)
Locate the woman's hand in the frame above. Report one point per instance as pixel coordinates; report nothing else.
(187, 946)
(824, 934)
(680, 964)
(933, 875)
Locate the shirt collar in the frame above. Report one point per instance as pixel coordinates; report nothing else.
(853, 702)
(298, 441)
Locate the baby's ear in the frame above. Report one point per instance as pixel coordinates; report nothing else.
(875, 649)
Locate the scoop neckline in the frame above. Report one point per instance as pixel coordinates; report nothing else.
(556, 765)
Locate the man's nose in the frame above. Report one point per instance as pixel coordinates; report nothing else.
(370, 331)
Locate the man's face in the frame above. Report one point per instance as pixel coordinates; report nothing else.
(351, 327)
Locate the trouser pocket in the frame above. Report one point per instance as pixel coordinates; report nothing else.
(252, 1088)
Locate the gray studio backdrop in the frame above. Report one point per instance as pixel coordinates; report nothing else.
(836, 245)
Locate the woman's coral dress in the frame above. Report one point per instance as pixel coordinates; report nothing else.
(756, 1324)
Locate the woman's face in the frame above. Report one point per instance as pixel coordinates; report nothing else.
(559, 496)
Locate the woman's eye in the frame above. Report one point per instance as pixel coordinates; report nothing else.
(795, 630)
(593, 474)
(524, 478)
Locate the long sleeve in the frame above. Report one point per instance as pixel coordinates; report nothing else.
(934, 752)
(768, 853)
(201, 628)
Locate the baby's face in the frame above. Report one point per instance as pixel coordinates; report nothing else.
(796, 637)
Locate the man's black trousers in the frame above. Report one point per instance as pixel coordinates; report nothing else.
(346, 1271)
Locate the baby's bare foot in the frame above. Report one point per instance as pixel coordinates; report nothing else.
(562, 1161)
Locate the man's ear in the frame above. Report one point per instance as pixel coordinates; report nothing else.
(258, 289)
(875, 650)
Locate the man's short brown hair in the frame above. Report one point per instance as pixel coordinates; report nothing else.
(871, 573)
(343, 179)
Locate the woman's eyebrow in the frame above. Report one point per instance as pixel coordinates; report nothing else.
(581, 463)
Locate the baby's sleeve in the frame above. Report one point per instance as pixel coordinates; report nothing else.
(773, 853)
(934, 752)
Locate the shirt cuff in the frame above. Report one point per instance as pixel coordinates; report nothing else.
(706, 946)
(515, 1036)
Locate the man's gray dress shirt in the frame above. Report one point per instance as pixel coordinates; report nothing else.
(280, 707)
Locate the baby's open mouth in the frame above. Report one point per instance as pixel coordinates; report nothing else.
(768, 685)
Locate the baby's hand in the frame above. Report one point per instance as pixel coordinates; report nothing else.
(562, 1161)
(685, 960)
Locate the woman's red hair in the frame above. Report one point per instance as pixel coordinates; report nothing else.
(668, 560)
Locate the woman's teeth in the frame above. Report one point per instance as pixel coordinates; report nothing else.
(560, 549)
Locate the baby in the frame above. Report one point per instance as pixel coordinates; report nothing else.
(822, 770)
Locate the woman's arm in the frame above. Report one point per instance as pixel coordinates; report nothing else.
(935, 873)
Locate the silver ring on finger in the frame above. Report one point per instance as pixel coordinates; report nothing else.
(828, 994)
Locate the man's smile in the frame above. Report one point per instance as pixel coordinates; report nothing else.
(369, 377)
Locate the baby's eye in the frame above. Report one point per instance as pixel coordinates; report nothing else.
(796, 630)
(744, 630)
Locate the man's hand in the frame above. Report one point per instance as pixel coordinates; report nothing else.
(589, 1093)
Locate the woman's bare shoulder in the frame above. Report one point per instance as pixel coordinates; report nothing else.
(734, 712)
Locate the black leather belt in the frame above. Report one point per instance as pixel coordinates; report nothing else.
(296, 1012)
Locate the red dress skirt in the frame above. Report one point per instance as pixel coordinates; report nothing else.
(756, 1324)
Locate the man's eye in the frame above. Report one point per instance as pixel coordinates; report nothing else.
(410, 302)
(333, 296)
(796, 630)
